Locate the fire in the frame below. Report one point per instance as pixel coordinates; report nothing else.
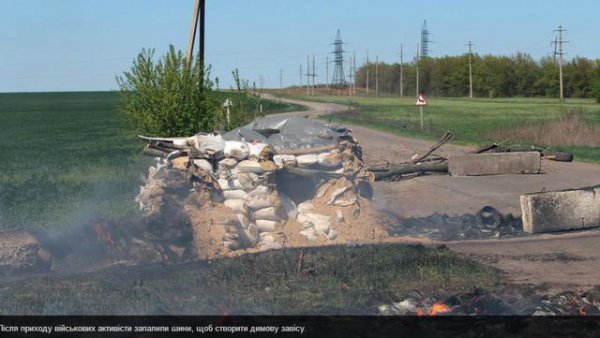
(435, 309)
(438, 308)
(582, 311)
(103, 234)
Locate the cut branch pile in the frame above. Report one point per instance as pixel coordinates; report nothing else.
(426, 163)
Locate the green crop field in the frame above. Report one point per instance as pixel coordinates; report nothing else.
(66, 158)
(473, 122)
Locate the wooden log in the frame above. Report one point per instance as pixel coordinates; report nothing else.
(447, 136)
(412, 168)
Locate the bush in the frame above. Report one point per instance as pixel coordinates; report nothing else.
(167, 97)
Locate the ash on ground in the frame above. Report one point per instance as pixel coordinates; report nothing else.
(518, 301)
(486, 224)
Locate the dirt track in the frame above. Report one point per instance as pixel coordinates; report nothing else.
(556, 261)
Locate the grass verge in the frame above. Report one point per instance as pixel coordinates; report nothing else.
(330, 280)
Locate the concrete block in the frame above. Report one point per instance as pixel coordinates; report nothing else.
(495, 164)
(561, 210)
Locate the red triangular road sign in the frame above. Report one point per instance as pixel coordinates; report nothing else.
(421, 101)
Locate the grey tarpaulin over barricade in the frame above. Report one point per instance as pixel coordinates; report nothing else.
(288, 133)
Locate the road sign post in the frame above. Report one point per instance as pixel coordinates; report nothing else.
(227, 104)
(421, 102)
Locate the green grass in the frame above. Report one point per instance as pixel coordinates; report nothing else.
(69, 157)
(471, 120)
(338, 280)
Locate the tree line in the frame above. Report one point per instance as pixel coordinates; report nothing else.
(493, 76)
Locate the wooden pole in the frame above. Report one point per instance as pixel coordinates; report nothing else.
(191, 40)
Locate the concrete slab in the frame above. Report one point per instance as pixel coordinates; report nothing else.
(495, 164)
(561, 210)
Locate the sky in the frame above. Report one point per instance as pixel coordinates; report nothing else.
(80, 45)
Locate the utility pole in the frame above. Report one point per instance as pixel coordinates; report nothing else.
(281, 79)
(308, 75)
(560, 53)
(313, 76)
(401, 72)
(417, 70)
(327, 72)
(376, 75)
(368, 66)
(300, 75)
(470, 44)
(354, 72)
(197, 18)
(351, 76)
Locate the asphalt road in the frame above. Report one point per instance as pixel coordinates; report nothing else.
(554, 261)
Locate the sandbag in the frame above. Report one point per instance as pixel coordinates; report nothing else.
(331, 159)
(250, 167)
(259, 151)
(271, 239)
(228, 163)
(310, 233)
(319, 221)
(267, 165)
(235, 194)
(259, 191)
(230, 184)
(249, 235)
(249, 181)
(243, 219)
(270, 213)
(209, 144)
(305, 207)
(266, 225)
(227, 169)
(180, 163)
(236, 149)
(260, 201)
(238, 206)
(307, 160)
(203, 164)
(284, 161)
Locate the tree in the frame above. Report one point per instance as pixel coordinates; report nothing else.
(168, 97)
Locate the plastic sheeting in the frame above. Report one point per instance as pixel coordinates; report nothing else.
(284, 133)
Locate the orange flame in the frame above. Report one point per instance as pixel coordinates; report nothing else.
(420, 311)
(438, 308)
(103, 234)
(582, 311)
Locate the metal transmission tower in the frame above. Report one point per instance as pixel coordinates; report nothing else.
(425, 40)
(339, 79)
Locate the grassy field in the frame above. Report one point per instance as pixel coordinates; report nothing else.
(474, 121)
(69, 157)
(333, 280)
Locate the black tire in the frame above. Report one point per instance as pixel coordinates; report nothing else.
(561, 157)
(490, 217)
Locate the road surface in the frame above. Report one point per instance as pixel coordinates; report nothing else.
(556, 261)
